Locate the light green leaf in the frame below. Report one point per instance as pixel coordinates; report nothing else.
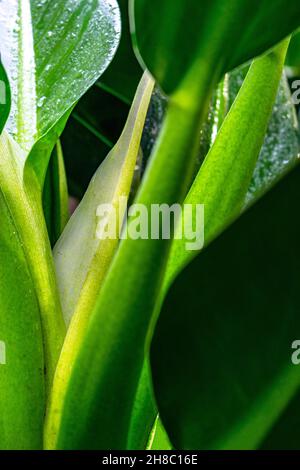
(55, 195)
(28, 219)
(81, 256)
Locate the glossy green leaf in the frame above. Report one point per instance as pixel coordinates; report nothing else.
(5, 97)
(190, 36)
(53, 52)
(226, 367)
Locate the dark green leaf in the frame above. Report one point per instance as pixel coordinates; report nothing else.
(221, 355)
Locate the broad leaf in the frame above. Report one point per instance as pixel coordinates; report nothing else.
(53, 52)
(225, 366)
(124, 73)
(223, 32)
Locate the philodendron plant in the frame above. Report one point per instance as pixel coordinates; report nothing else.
(129, 340)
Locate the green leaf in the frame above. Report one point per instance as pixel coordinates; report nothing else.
(159, 439)
(278, 154)
(5, 97)
(225, 176)
(144, 410)
(53, 52)
(124, 73)
(188, 36)
(225, 366)
(293, 55)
